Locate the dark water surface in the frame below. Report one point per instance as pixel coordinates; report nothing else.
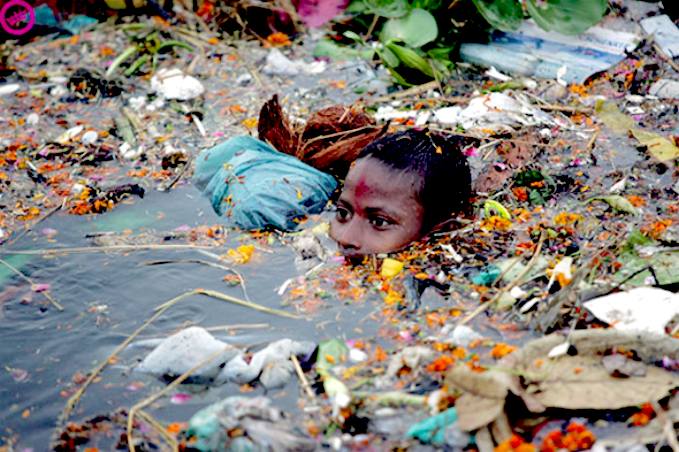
(106, 296)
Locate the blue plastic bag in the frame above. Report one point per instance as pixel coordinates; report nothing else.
(253, 186)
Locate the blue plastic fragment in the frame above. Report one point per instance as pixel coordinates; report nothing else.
(432, 429)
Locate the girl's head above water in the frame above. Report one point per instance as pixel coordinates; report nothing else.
(400, 188)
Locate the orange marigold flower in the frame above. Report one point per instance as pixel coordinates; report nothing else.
(278, 39)
(500, 350)
(637, 201)
(514, 444)
(495, 223)
(567, 218)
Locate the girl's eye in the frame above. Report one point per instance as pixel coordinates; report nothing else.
(342, 214)
(379, 222)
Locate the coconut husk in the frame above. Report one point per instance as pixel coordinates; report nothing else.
(331, 139)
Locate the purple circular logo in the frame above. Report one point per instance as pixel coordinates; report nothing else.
(17, 17)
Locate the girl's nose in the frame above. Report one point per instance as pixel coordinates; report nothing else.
(347, 236)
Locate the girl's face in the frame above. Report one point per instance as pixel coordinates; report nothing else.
(378, 211)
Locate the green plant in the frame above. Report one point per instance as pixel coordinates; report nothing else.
(563, 16)
(146, 47)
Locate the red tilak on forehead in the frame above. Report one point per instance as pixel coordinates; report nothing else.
(362, 187)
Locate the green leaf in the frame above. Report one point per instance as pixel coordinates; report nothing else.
(398, 78)
(617, 202)
(383, 8)
(505, 15)
(330, 49)
(411, 58)
(388, 57)
(353, 36)
(570, 17)
(330, 352)
(416, 29)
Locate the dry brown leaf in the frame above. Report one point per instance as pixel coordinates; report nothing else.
(582, 382)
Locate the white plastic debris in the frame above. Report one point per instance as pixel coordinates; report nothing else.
(129, 153)
(32, 119)
(562, 271)
(186, 349)
(497, 75)
(279, 64)
(9, 88)
(387, 113)
(619, 186)
(272, 364)
(70, 135)
(646, 309)
(559, 350)
(448, 115)
(89, 137)
(174, 84)
(665, 89)
(664, 33)
(357, 356)
(494, 111)
(460, 336)
(136, 103)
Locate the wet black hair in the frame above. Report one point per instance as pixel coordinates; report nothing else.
(445, 179)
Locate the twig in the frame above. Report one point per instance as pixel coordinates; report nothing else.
(234, 300)
(30, 281)
(667, 59)
(592, 141)
(668, 426)
(177, 178)
(152, 398)
(209, 264)
(238, 326)
(371, 28)
(483, 306)
(104, 249)
(157, 426)
(302, 378)
(94, 373)
(415, 90)
(38, 221)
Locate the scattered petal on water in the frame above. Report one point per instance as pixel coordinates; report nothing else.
(18, 375)
(180, 398)
(49, 232)
(43, 287)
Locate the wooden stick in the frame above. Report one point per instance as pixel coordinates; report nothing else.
(302, 378)
(483, 306)
(104, 249)
(209, 264)
(153, 397)
(247, 304)
(94, 373)
(46, 294)
(158, 427)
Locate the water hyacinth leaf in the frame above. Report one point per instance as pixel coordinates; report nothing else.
(619, 203)
(332, 50)
(315, 13)
(382, 8)
(330, 352)
(570, 17)
(353, 36)
(388, 57)
(416, 29)
(411, 59)
(505, 15)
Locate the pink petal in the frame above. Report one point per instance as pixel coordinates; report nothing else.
(180, 398)
(40, 287)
